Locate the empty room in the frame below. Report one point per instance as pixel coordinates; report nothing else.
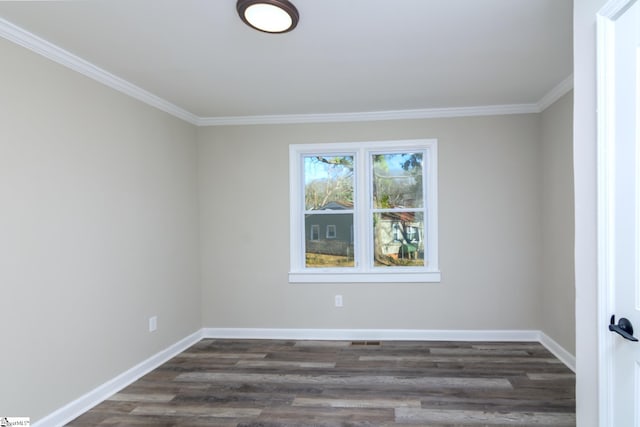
(363, 213)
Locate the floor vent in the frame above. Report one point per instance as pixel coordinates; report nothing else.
(367, 343)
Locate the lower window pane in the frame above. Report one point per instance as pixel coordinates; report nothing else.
(398, 239)
(332, 248)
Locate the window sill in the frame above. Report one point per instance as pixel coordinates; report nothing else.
(391, 277)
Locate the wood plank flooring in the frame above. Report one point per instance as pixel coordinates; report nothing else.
(278, 383)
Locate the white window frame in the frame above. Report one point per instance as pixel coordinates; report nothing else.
(331, 234)
(315, 230)
(364, 271)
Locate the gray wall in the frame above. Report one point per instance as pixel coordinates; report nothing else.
(558, 292)
(490, 230)
(98, 226)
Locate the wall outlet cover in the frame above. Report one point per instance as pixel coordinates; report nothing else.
(153, 323)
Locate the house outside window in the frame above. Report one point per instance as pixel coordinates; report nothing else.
(378, 204)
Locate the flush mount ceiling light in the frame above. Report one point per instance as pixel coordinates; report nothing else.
(269, 16)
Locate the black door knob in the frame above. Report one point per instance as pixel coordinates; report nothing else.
(624, 328)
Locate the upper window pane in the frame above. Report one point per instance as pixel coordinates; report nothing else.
(397, 180)
(328, 182)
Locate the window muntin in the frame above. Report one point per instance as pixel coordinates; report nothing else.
(374, 206)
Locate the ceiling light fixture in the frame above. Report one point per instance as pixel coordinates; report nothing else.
(269, 16)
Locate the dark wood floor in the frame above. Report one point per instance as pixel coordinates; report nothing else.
(251, 383)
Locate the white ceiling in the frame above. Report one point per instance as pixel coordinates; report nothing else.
(345, 56)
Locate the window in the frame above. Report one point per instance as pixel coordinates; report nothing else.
(377, 203)
(315, 233)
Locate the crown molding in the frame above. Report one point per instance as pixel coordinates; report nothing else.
(614, 8)
(42, 47)
(556, 93)
(427, 113)
(55, 53)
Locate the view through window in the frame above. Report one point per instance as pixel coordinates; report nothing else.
(364, 208)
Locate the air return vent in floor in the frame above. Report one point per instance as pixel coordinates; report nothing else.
(367, 343)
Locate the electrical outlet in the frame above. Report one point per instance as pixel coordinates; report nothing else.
(338, 300)
(153, 323)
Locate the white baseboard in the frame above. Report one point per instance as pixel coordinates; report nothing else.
(558, 351)
(397, 335)
(81, 405)
(372, 334)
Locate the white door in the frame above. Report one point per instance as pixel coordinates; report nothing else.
(619, 132)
